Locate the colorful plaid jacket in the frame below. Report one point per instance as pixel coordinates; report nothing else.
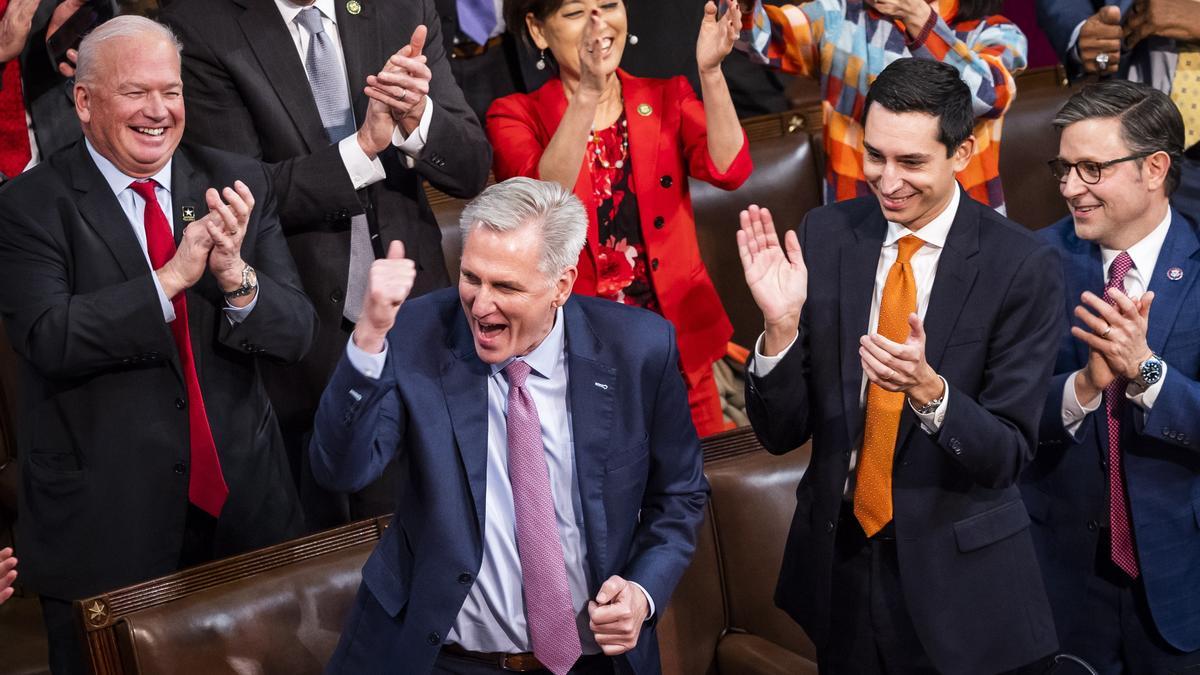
(847, 44)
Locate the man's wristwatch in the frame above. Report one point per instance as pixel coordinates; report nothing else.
(1150, 372)
(249, 284)
(931, 407)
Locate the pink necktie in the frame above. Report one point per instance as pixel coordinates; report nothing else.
(206, 483)
(1120, 528)
(548, 608)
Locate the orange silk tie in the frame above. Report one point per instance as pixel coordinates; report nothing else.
(873, 490)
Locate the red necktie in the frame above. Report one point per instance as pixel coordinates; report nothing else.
(14, 132)
(1120, 527)
(206, 485)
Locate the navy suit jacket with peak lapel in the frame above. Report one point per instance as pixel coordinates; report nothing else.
(1066, 488)
(641, 484)
(967, 565)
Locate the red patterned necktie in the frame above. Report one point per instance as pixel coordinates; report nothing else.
(548, 608)
(206, 484)
(1120, 527)
(14, 132)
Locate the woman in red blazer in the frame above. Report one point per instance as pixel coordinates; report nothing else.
(626, 146)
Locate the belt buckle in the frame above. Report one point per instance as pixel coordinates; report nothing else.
(520, 663)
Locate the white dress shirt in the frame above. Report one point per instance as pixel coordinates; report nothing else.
(924, 263)
(492, 619)
(363, 170)
(1137, 280)
(135, 210)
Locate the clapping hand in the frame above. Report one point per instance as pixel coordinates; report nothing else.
(14, 28)
(403, 84)
(717, 35)
(778, 279)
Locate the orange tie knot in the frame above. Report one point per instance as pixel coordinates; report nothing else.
(909, 246)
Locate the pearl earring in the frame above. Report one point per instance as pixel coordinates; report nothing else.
(541, 62)
(633, 39)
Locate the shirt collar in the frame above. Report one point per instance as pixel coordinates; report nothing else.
(544, 359)
(935, 231)
(289, 9)
(119, 182)
(1144, 253)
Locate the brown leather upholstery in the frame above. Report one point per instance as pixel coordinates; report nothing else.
(786, 179)
(1028, 141)
(726, 598)
(276, 610)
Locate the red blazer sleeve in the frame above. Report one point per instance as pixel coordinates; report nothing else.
(517, 137)
(693, 133)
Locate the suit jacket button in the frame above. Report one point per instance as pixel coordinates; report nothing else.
(654, 264)
(829, 526)
(180, 403)
(1093, 526)
(665, 181)
(434, 639)
(180, 468)
(465, 578)
(336, 296)
(659, 222)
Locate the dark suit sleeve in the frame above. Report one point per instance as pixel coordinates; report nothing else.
(1173, 418)
(994, 435)
(676, 491)
(778, 404)
(359, 424)
(456, 156)
(283, 323)
(1058, 19)
(63, 334)
(308, 188)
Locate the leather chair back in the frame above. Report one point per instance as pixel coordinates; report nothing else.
(1028, 141)
(786, 179)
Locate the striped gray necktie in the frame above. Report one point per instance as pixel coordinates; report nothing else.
(332, 96)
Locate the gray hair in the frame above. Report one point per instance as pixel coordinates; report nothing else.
(517, 202)
(124, 26)
(1150, 120)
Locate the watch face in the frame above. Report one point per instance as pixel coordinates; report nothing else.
(1151, 370)
(251, 279)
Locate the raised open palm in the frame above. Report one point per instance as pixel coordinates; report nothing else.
(717, 35)
(777, 278)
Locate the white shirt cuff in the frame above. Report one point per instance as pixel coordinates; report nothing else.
(363, 170)
(763, 365)
(648, 599)
(237, 315)
(1073, 44)
(411, 147)
(931, 422)
(369, 365)
(1145, 399)
(1073, 411)
(168, 309)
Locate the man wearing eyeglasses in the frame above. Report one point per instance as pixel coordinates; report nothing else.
(1114, 491)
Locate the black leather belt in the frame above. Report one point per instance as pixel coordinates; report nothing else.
(466, 49)
(524, 662)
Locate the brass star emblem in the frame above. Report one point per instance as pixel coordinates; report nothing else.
(97, 612)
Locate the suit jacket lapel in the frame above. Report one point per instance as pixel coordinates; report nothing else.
(956, 272)
(1084, 272)
(362, 49)
(1180, 252)
(272, 44)
(592, 387)
(187, 194)
(857, 284)
(464, 382)
(99, 207)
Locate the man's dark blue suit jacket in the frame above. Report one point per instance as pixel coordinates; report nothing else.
(641, 485)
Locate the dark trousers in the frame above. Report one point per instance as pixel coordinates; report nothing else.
(1119, 635)
(871, 628)
(451, 664)
(64, 633)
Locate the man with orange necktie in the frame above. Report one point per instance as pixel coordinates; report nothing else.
(140, 301)
(909, 336)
